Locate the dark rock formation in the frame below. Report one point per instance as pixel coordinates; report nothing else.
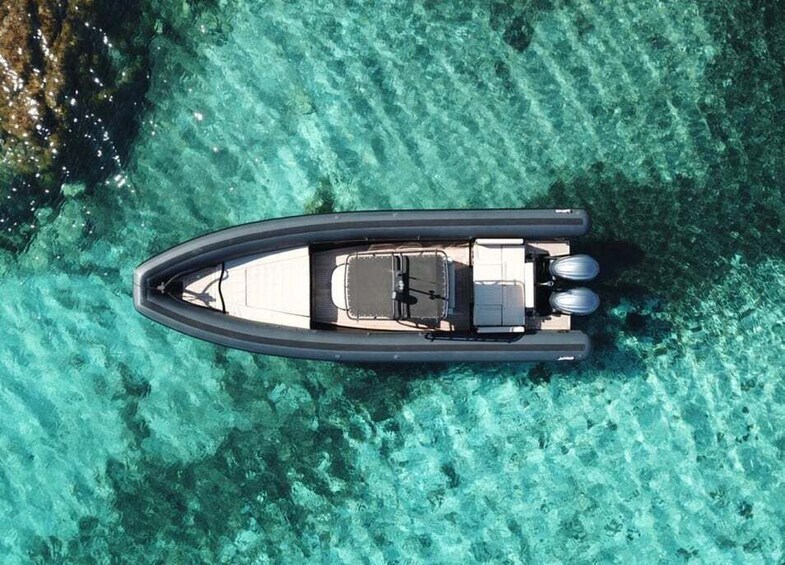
(323, 200)
(72, 79)
(516, 20)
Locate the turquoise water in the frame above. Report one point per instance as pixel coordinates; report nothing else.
(122, 441)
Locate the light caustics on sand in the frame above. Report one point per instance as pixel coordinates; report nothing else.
(125, 439)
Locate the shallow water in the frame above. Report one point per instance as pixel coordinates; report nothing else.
(124, 441)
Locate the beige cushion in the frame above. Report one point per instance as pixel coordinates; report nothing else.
(338, 286)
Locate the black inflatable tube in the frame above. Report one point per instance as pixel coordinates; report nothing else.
(358, 346)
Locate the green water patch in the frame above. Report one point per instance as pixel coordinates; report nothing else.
(670, 238)
(287, 466)
(128, 441)
(312, 460)
(673, 237)
(663, 246)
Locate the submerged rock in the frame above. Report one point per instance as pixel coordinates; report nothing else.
(73, 79)
(323, 200)
(57, 70)
(67, 97)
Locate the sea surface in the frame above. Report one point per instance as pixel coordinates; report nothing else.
(122, 441)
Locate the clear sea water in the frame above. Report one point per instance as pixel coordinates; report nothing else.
(123, 441)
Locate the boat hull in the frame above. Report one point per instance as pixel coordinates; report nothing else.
(358, 345)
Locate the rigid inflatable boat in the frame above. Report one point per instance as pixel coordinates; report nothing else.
(397, 286)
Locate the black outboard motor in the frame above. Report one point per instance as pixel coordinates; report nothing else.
(577, 301)
(574, 268)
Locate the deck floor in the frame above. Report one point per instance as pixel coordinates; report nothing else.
(325, 312)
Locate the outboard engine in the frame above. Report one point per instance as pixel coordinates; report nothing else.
(575, 268)
(578, 301)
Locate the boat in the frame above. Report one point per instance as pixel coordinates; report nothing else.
(384, 286)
